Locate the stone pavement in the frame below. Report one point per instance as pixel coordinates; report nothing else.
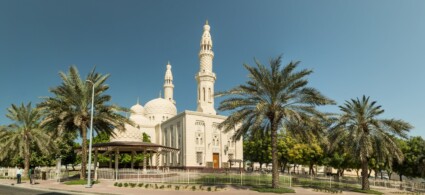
(106, 187)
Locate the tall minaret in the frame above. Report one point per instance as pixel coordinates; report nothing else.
(206, 76)
(168, 84)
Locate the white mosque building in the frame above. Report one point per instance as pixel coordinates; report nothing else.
(194, 133)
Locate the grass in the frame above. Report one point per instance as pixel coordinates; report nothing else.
(79, 182)
(336, 187)
(366, 191)
(273, 190)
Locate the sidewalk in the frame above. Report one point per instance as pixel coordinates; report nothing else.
(106, 187)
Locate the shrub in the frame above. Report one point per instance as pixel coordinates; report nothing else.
(116, 184)
(125, 184)
(132, 185)
(193, 188)
(147, 186)
(161, 187)
(177, 187)
(169, 186)
(156, 186)
(209, 189)
(119, 184)
(140, 185)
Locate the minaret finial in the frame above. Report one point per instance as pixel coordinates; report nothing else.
(168, 84)
(206, 23)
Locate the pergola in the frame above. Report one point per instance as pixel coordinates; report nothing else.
(132, 147)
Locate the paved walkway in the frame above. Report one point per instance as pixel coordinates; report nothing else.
(108, 188)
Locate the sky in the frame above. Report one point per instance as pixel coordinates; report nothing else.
(355, 48)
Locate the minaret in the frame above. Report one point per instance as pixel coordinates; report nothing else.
(206, 76)
(168, 84)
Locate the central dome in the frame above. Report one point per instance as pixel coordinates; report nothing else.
(160, 106)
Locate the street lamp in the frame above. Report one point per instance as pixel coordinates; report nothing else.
(91, 134)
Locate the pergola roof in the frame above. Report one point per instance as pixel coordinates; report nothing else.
(130, 146)
(236, 160)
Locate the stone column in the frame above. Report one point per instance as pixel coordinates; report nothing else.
(144, 161)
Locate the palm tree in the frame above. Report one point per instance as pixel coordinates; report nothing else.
(273, 99)
(24, 134)
(69, 108)
(365, 135)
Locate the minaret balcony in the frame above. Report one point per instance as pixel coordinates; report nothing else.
(206, 52)
(206, 75)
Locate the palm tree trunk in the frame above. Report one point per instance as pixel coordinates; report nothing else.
(365, 175)
(83, 152)
(275, 163)
(26, 157)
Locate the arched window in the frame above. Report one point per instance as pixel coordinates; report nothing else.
(204, 92)
(209, 94)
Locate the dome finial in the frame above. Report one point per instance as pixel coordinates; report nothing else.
(137, 100)
(160, 96)
(206, 23)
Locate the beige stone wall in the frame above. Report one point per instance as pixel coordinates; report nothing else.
(196, 133)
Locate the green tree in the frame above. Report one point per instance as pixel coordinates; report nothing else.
(412, 165)
(67, 146)
(284, 145)
(307, 154)
(257, 148)
(272, 98)
(365, 135)
(69, 108)
(24, 135)
(146, 137)
(340, 159)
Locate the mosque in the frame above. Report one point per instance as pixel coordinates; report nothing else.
(199, 143)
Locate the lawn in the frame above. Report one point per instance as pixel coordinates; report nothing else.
(79, 182)
(261, 183)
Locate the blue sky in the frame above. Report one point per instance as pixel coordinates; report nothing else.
(374, 48)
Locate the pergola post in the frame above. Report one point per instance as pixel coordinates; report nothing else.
(132, 159)
(150, 158)
(117, 153)
(95, 163)
(144, 161)
(157, 160)
(110, 160)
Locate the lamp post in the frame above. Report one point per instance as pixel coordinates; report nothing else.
(89, 185)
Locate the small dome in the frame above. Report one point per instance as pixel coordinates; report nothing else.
(137, 109)
(160, 106)
(129, 134)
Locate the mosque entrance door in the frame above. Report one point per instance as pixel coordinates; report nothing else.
(215, 160)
